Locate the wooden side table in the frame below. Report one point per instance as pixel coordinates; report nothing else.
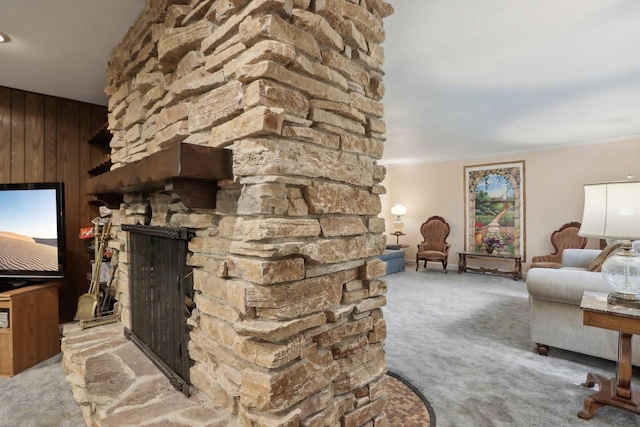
(517, 267)
(615, 391)
(28, 327)
(398, 234)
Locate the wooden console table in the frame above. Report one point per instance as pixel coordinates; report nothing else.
(615, 391)
(517, 269)
(29, 327)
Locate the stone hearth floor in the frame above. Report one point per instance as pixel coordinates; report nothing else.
(405, 408)
(116, 385)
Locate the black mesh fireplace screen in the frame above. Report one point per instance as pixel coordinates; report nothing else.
(161, 292)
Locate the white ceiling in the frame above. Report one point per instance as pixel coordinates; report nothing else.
(465, 78)
(469, 78)
(60, 47)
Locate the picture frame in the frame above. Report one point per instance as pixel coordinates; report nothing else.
(494, 206)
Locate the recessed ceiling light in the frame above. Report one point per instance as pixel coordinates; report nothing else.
(4, 38)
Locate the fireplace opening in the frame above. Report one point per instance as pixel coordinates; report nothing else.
(161, 298)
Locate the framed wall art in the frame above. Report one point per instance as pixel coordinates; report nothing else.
(495, 209)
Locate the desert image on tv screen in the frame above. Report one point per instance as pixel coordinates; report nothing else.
(28, 230)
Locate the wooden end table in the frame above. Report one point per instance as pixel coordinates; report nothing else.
(29, 328)
(615, 391)
(517, 268)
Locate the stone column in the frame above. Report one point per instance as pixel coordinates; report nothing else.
(288, 328)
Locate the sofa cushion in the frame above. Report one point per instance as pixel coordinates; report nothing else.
(546, 265)
(578, 257)
(431, 254)
(565, 285)
(596, 263)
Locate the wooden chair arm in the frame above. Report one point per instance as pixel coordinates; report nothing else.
(547, 258)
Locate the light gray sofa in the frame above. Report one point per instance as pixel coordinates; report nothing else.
(556, 317)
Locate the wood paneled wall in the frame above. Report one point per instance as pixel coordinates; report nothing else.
(44, 138)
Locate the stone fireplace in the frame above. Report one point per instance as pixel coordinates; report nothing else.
(287, 328)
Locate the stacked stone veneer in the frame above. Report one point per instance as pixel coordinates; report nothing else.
(288, 328)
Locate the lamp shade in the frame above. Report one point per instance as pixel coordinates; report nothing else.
(398, 210)
(611, 210)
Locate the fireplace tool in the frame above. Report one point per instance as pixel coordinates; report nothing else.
(107, 297)
(88, 302)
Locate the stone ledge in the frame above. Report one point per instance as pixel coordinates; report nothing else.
(187, 169)
(116, 385)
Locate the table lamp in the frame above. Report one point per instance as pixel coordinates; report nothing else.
(398, 210)
(612, 211)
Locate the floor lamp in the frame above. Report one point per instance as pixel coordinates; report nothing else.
(398, 210)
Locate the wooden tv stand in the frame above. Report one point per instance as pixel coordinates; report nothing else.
(32, 334)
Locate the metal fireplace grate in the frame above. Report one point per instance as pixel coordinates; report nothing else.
(161, 291)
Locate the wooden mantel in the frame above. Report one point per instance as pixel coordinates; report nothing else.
(191, 171)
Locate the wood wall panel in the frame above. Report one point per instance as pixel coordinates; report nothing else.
(85, 210)
(34, 137)
(17, 136)
(43, 138)
(5, 134)
(50, 139)
(68, 171)
(97, 155)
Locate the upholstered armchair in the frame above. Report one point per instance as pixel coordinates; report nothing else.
(434, 246)
(564, 238)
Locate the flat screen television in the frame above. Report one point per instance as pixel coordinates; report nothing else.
(32, 232)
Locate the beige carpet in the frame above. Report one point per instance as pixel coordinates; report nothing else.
(39, 397)
(463, 341)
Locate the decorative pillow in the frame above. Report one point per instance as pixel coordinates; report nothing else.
(596, 263)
